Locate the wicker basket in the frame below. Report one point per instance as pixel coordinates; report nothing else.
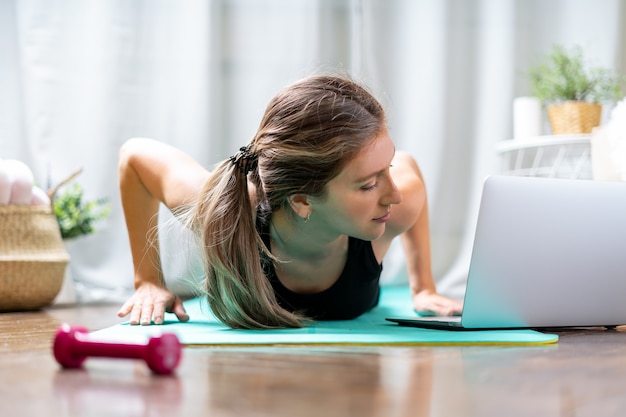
(574, 117)
(32, 257)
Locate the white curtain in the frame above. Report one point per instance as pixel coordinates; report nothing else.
(78, 77)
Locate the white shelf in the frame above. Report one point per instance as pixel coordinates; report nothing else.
(559, 156)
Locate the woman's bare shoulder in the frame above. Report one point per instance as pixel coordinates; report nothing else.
(168, 173)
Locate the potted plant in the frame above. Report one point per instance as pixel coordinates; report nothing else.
(572, 91)
(76, 217)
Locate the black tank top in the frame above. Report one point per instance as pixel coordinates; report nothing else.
(356, 291)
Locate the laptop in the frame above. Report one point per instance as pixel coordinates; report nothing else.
(547, 253)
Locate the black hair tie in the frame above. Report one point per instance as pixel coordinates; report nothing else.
(244, 160)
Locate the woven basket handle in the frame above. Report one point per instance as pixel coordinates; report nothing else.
(52, 191)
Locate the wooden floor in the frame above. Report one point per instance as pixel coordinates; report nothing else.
(583, 375)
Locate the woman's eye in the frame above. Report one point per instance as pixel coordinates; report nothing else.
(369, 187)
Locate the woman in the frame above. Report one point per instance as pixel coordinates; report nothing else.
(296, 224)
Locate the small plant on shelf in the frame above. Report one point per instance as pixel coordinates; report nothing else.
(572, 90)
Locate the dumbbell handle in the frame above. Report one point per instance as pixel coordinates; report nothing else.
(107, 350)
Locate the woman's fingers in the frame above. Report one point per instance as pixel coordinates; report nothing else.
(158, 313)
(135, 313)
(146, 314)
(179, 310)
(149, 305)
(435, 304)
(125, 309)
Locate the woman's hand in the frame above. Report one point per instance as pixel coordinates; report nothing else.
(152, 301)
(428, 302)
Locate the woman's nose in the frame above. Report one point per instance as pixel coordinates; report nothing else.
(393, 194)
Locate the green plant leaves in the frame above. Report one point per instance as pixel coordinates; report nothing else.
(566, 76)
(75, 216)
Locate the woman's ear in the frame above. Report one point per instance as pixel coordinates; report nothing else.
(301, 205)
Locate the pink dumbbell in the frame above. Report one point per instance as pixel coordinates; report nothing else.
(72, 346)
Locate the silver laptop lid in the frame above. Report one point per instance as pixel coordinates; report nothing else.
(548, 252)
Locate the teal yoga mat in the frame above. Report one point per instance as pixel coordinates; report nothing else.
(370, 328)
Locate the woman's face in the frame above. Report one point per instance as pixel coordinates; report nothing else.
(358, 201)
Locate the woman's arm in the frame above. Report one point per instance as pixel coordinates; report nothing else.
(152, 172)
(411, 222)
